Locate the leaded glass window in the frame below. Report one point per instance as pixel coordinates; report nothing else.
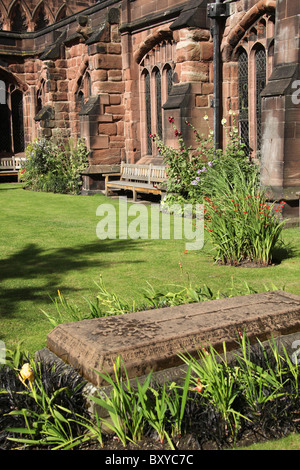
(148, 112)
(244, 99)
(169, 79)
(261, 64)
(158, 103)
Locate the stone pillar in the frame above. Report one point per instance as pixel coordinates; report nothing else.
(281, 111)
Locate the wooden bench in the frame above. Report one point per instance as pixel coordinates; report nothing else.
(138, 179)
(10, 166)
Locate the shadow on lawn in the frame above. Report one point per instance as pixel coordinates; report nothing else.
(39, 272)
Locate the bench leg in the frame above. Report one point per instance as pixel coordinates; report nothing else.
(134, 194)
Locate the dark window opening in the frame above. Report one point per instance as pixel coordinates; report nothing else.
(17, 121)
(41, 19)
(18, 20)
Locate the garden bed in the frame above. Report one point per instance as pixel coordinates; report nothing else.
(259, 385)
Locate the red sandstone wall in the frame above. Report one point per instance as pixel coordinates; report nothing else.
(54, 10)
(115, 64)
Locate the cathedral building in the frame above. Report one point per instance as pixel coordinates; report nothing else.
(114, 71)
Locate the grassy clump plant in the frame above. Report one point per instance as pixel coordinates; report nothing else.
(108, 303)
(242, 224)
(41, 406)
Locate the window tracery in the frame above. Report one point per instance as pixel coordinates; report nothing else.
(255, 63)
(156, 83)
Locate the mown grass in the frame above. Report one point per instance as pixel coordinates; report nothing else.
(291, 442)
(49, 242)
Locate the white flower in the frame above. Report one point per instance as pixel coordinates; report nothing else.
(205, 117)
(223, 122)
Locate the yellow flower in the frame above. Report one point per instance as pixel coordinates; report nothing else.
(26, 373)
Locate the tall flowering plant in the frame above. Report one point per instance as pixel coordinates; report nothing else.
(242, 225)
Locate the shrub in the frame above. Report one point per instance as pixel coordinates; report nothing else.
(54, 166)
(188, 169)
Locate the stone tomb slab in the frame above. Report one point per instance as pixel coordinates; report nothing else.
(151, 340)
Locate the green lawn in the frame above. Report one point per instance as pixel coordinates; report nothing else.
(291, 442)
(49, 242)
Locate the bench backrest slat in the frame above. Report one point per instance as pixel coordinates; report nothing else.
(158, 173)
(147, 173)
(11, 163)
(7, 162)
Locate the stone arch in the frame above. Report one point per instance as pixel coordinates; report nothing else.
(61, 13)
(151, 41)
(14, 79)
(82, 70)
(250, 18)
(19, 16)
(42, 16)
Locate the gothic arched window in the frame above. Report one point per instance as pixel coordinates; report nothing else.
(255, 63)
(155, 86)
(148, 111)
(158, 103)
(261, 78)
(41, 20)
(243, 98)
(18, 19)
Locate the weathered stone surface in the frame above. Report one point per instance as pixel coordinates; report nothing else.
(151, 340)
(288, 344)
